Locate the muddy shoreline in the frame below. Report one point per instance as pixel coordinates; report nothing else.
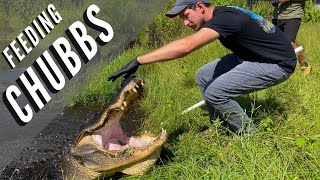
(41, 158)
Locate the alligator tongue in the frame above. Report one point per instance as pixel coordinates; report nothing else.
(116, 143)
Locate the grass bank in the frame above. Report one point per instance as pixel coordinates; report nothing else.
(287, 147)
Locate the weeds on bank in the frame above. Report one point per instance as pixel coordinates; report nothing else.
(288, 144)
(286, 147)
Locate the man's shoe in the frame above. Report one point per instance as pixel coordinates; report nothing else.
(306, 69)
(206, 131)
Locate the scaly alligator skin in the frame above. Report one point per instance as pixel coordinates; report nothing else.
(102, 148)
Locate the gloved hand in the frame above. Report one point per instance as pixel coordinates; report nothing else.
(128, 69)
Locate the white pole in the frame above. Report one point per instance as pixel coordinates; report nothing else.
(296, 50)
(193, 107)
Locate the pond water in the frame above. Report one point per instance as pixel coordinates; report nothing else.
(13, 138)
(34, 150)
(41, 159)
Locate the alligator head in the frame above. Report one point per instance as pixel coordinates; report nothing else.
(102, 148)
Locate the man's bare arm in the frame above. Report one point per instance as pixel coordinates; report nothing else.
(181, 47)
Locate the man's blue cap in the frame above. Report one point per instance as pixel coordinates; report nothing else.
(181, 5)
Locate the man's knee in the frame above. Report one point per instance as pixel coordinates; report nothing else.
(200, 76)
(213, 97)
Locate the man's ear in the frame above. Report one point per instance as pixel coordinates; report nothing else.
(200, 6)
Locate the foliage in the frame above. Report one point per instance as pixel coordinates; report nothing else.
(286, 147)
(163, 29)
(312, 14)
(288, 143)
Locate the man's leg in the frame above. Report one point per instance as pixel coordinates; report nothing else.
(291, 28)
(242, 79)
(304, 66)
(212, 70)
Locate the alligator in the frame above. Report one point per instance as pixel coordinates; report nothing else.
(103, 149)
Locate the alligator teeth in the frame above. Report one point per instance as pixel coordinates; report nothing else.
(124, 103)
(125, 147)
(137, 86)
(135, 90)
(122, 108)
(163, 131)
(142, 84)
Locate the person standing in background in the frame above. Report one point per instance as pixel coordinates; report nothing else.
(287, 16)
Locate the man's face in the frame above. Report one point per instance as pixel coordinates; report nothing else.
(192, 18)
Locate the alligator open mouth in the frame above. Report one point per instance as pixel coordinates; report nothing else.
(112, 137)
(103, 148)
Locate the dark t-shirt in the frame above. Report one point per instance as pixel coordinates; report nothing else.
(251, 37)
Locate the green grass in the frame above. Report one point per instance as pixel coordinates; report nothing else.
(287, 147)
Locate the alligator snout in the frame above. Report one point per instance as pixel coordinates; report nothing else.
(102, 148)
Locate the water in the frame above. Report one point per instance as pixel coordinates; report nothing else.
(41, 159)
(34, 150)
(12, 136)
(126, 24)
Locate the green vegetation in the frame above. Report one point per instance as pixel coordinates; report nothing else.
(286, 147)
(288, 143)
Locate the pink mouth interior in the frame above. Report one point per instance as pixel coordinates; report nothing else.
(112, 137)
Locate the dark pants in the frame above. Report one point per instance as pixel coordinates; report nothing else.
(290, 27)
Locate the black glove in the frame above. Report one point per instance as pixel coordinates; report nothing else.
(128, 69)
